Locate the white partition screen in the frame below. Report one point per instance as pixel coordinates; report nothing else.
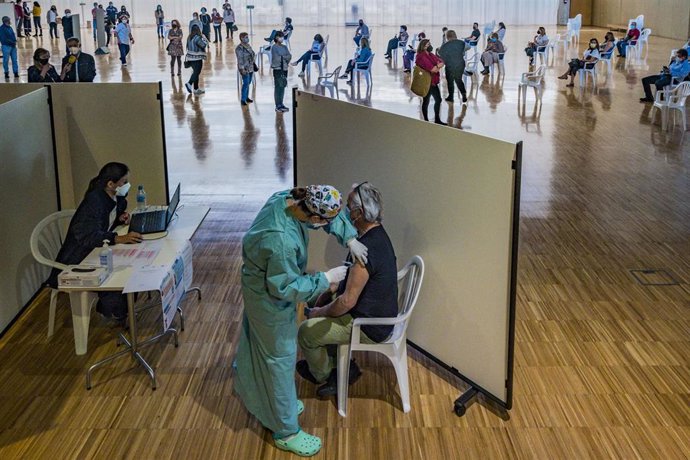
(451, 197)
(28, 181)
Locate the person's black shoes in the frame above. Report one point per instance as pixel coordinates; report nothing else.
(304, 372)
(646, 99)
(249, 101)
(439, 122)
(330, 388)
(449, 99)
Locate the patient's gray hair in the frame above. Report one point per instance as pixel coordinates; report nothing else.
(373, 204)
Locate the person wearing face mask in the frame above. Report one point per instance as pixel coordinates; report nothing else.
(77, 66)
(368, 291)
(205, 19)
(679, 70)
(590, 56)
(432, 64)
(51, 19)
(217, 20)
(159, 17)
(491, 53)
(395, 42)
(195, 22)
(473, 38)
(287, 31)
(8, 41)
(361, 32)
(196, 55)
(246, 65)
(361, 55)
(453, 55)
(539, 41)
(124, 39)
(123, 14)
(42, 71)
(229, 20)
(175, 47)
(111, 12)
(630, 38)
(102, 209)
(316, 49)
(67, 26)
(274, 281)
(280, 60)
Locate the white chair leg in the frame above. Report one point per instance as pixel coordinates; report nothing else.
(400, 365)
(51, 311)
(81, 303)
(343, 377)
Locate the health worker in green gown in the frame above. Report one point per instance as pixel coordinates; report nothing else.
(274, 255)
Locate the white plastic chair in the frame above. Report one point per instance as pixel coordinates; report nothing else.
(286, 39)
(590, 68)
(534, 80)
(607, 58)
(325, 48)
(501, 63)
(395, 347)
(45, 242)
(365, 69)
(264, 51)
(543, 53)
(644, 39)
(316, 58)
(330, 80)
(401, 46)
(672, 99)
(471, 67)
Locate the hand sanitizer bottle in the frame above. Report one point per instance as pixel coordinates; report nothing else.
(106, 257)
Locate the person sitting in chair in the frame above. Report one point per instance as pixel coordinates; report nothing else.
(678, 69)
(368, 291)
(395, 42)
(630, 38)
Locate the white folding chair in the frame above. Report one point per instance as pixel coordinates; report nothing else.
(534, 80)
(45, 242)
(395, 347)
(364, 68)
(672, 99)
(590, 68)
(330, 80)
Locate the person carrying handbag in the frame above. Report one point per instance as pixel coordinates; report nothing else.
(196, 54)
(433, 64)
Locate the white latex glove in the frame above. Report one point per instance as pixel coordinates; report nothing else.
(358, 251)
(336, 275)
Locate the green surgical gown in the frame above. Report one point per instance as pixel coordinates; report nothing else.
(274, 255)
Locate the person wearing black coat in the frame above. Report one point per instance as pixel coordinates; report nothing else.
(102, 209)
(77, 66)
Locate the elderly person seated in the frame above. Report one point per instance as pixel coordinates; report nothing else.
(395, 42)
(490, 56)
(630, 37)
(678, 69)
(368, 291)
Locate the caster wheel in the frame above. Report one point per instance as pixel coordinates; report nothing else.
(460, 410)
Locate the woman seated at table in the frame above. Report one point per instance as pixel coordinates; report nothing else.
(102, 209)
(362, 55)
(317, 47)
(591, 56)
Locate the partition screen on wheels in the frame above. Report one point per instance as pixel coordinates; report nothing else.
(449, 196)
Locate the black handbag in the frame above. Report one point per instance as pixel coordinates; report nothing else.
(187, 63)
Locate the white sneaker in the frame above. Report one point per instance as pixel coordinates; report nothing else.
(199, 91)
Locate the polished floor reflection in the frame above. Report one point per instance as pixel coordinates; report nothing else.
(602, 363)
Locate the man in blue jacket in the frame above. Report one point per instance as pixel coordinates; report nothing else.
(8, 40)
(678, 69)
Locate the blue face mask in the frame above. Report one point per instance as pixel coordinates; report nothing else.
(494, 39)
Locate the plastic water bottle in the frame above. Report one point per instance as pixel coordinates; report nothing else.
(106, 257)
(141, 198)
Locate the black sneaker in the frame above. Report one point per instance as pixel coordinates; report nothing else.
(305, 373)
(249, 101)
(646, 99)
(449, 99)
(439, 122)
(7, 76)
(330, 388)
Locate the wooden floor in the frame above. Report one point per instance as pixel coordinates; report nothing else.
(602, 362)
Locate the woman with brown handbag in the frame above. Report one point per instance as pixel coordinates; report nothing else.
(432, 64)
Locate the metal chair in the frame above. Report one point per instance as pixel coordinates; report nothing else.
(395, 347)
(45, 242)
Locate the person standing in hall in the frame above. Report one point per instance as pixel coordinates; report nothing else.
(124, 39)
(67, 27)
(18, 17)
(217, 20)
(229, 19)
(37, 20)
(175, 47)
(51, 17)
(8, 40)
(160, 19)
(111, 12)
(246, 65)
(432, 64)
(205, 19)
(453, 55)
(280, 59)
(196, 54)
(93, 19)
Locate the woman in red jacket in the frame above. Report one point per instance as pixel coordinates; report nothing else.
(432, 64)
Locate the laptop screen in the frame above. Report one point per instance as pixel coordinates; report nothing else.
(173, 203)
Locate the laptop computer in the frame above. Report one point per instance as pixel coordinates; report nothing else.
(155, 221)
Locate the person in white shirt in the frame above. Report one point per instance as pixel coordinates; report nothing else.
(590, 57)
